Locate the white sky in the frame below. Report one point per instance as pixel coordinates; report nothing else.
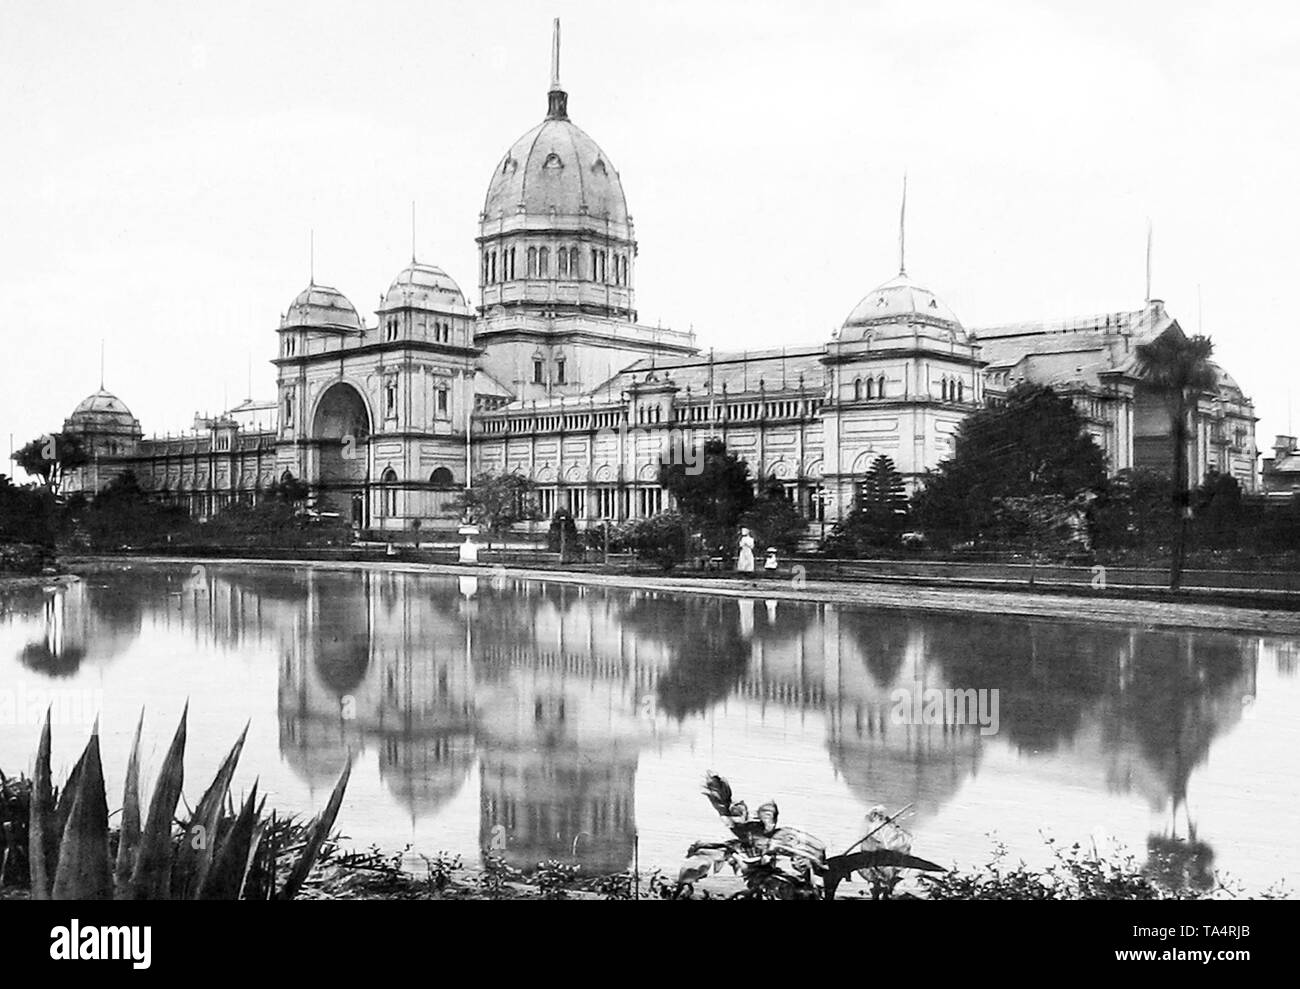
(161, 166)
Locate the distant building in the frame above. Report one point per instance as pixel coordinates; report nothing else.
(1281, 472)
(553, 376)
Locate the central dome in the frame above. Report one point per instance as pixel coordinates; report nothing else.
(556, 169)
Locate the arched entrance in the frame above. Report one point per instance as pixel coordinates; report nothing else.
(340, 432)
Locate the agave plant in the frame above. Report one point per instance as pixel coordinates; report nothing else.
(208, 858)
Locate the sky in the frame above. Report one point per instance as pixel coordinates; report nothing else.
(163, 167)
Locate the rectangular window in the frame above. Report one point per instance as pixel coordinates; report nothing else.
(605, 502)
(442, 401)
(559, 372)
(539, 373)
(578, 503)
(817, 504)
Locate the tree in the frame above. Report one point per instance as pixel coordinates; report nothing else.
(1221, 517)
(562, 536)
(124, 514)
(712, 488)
(774, 520)
(879, 514)
(1178, 368)
(498, 501)
(661, 539)
(1035, 445)
(50, 457)
(29, 524)
(1132, 513)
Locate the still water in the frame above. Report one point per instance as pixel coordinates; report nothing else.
(576, 722)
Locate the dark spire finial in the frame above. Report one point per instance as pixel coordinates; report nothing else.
(557, 100)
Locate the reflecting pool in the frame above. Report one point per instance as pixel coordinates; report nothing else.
(575, 722)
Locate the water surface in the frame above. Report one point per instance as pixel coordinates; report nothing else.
(575, 722)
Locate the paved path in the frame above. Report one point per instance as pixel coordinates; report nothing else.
(906, 598)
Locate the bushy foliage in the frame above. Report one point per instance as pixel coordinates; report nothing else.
(562, 536)
(1075, 873)
(1035, 445)
(774, 520)
(664, 539)
(711, 487)
(28, 514)
(498, 501)
(124, 514)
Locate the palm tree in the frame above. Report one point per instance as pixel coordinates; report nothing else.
(1179, 369)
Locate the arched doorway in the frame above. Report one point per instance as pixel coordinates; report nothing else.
(340, 431)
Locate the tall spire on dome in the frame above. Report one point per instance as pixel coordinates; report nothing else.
(557, 100)
(902, 231)
(1148, 261)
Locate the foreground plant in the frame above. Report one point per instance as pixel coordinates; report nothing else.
(779, 863)
(208, 858)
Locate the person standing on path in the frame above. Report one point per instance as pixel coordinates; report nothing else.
(745, 561)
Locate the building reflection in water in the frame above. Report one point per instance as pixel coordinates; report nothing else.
(554, 691)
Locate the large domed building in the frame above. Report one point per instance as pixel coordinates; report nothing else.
(106, 424)
(551, 375)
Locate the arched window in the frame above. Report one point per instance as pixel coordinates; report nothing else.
(880, 387)
(960, 389)
(943, 389)
(441, 477)
(857, 389)
(575, 264)
(543, 263)
(562, 263)
(512, 263)
(388, 497)
(532, 262)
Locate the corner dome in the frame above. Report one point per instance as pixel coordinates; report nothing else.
(423, 286)
(893, 307)
(321, 307)
(102, 412)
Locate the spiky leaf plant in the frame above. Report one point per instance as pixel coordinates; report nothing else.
(208, 858)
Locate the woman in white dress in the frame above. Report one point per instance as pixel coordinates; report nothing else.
(745, 561)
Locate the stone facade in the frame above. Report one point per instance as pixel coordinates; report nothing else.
(552, 375)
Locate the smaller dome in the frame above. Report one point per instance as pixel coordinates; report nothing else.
(423, 286)
(324, 307)
(102, 412)
(901, 303)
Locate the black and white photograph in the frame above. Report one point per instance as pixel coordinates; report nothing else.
(719, 451)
